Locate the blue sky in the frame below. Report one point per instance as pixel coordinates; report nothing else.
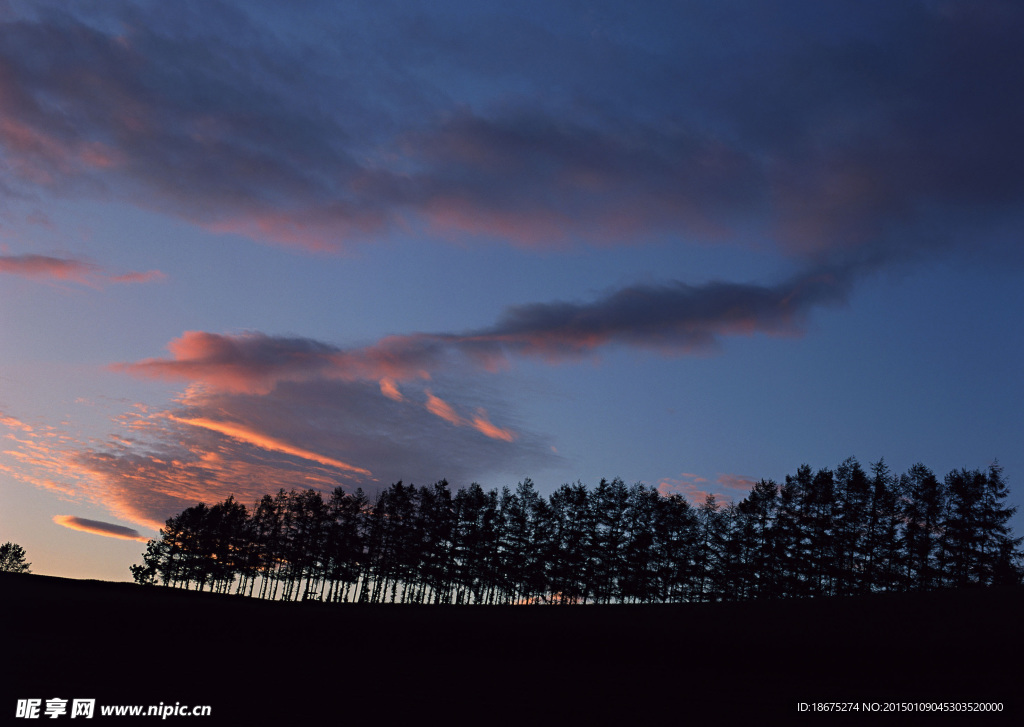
(688, 244)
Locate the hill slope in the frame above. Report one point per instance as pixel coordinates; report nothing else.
(269, 662)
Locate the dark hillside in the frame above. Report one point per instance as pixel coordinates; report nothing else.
(270, 662)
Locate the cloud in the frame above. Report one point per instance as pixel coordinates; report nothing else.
(538, 180)
(77, 271)
(735, 483)
(96, 527)
(42, 266)
(255, 362)
(147, 277)
(352, 436)
(483, 425)
(14, 423)
(725, 489)
(250, 436)
(320, 434)
(441, 408)
(673, 318)
(389, 388)
(888, 132)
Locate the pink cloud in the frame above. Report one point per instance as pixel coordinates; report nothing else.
(56, 268)
(147, 277)
(43, 266)
(42, 157)
(251, 436)
(725, 488)
(485, 427)
(735, 483)
(389, 388)
(319, 433)
(256, 363)
(13, 423)
(440, 408)
(686, 487)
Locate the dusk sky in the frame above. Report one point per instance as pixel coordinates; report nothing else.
(254, 245)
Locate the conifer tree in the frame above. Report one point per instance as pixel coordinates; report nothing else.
(923, 509)
(12, 559)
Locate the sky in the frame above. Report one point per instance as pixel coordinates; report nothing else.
(247, 246)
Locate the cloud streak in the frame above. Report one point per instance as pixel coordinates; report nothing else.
(250, 436)
(214, 444)
(673, 318)
(726, 488)
(97, 527)
(45, 267)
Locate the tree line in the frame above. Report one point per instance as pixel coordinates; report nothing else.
(839, 531)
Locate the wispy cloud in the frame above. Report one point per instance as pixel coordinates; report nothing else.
(250, 436)
(97, 527)
(45, 267)
(319, 433)
(483, 425)
(135, 277)
(14, 423)
(389, 388)
(725, 488)
(479, 421)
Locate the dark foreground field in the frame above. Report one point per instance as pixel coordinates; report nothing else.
(257, 662)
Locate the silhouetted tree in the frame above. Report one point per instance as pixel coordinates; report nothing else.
(609, 504)
(437, 526)
(882, 536)
(851, 516)
(675, 541)
(963, 529)
(923, 508)
(758, 509)
(1000, 557)
(572, 552)
(820, 533)
(639, 571)
(12, 559)
(709, 551)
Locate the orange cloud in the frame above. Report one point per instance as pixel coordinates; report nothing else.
(389, 388)
(484, 426)
(14, 423)
(440, 407)
(251, 436)
(97, 527)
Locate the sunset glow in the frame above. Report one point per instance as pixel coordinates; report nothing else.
(245, 434)
(246, 249)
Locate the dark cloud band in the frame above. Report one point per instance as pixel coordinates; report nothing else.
(97, 527)
(674, 317)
